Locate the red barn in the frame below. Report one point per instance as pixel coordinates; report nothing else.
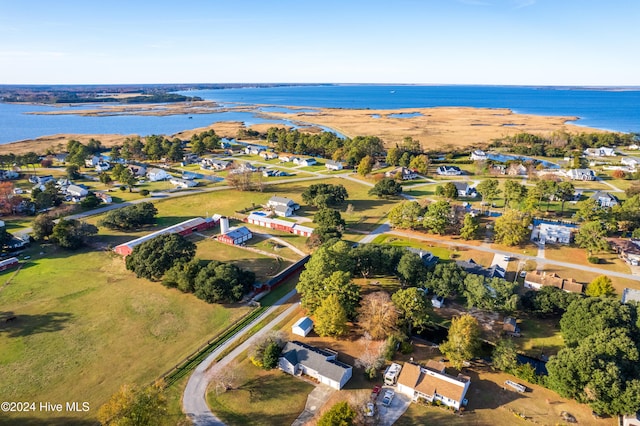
(12, 262)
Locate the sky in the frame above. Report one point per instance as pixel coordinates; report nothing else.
(503, 42)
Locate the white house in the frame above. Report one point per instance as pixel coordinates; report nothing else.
(92, 161)
(630, 162)
(448, 171)
(405, 173)
(282, 206)
(106, 198)
(102, 166)
(254, 150)
(333, 165)
(517, 170)
(431, 384)
(138, 171)
(605, 199)
(285, 158)
(634, 147)
(268, 155)
(155, 175)
(302, 327)
(298, 358)
(600, 152)
(183, 183)
(77, 191)
(581, 174)
(552, 233)
(478, 155)
(305, 162)
(464, 190)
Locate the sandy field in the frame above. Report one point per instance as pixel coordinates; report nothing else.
(198, 107)
(436, 128)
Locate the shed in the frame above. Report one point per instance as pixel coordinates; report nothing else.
(302, 327)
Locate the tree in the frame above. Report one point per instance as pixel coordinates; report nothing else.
(42, 227)
(420, 163)
(591, 315)
(365, 166)
(564, 192)
(130, 217)
(548, 301)
(470, 227)
(271, 356)
(72, 234)
(592, 237)
(449, 191)
(260, 348)
(127, 178)
(371, 358)
(513, 192)
(105, 178)
(446, 279)
(405, 215)
(341, 414)
(386, 187)
(393, 156)
(324, 195)
(73, 171)
(512, 228)
(331, 317)
(492, 294)
(330, 224)
(221, 282)
(133, 406)
(90, 201)
(601, 286)
(183, 275)
(588, 211)
(411, 269)
(117, 171)
(505, 356)
(413, 308)
(463, 341)
(153, 258)
(438, 217)
(488, 190)
(377, 315)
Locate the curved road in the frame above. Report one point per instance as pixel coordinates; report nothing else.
(194, 402)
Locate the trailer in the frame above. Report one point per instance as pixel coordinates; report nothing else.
(516, 386)
(391, 374)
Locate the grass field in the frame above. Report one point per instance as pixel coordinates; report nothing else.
(84, 326)
(261, 398)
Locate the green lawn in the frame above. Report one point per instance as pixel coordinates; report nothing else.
(539, 336)
(84, 326)
(260, 398)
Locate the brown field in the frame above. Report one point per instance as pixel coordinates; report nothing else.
(440, 128)
(444, 128)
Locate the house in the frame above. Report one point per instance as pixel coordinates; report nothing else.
(536, 280)
(633, 147)
(471, 267)
(604, 199)
(40, 180)
(268, 155)
(183, 228)
(236, 236)
(428, 259)
(498, 169)
(104, 197)
(253, 150)
(9, 174)
(628, 250)
(405, 173)
(428, 384)
(581, 174)
(9, 263)
(274, 173)
(92, 161)
(630, 295)
(631, 419)
(464, 190)
(449, 171)
(302, 327)
(76, 191)
(183, 183)
(630, 162)
(282, 206)
(517, 170)
(510, 327)
(304, 162)
(137, 170)
(552, 233)
(298, 358)
(215, 164)
(155, 175)
(102, 166)
(600, 152)
(334, 165)
(478, 155)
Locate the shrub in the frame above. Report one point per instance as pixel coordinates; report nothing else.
(123, 188)
(406, 347)
(144, 192)
(593, 259)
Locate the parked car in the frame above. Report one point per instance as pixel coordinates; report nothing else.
(388, 397)
(370, 409)
(375, 392)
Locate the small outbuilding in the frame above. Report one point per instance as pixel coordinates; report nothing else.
(302, 327)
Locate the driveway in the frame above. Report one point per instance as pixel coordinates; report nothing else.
(389, 415)
(315, 401)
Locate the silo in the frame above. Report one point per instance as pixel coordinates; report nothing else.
(224, 225)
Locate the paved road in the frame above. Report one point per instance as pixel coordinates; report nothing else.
(194, 402)
(539, 260)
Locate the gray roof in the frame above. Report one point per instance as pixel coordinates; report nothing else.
(603, 194)
(281, 200)
(474, 268)
(630, 295)
(461, 186)
(238, 232)
(314, 358)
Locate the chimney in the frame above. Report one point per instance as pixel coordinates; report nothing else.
(224, 225)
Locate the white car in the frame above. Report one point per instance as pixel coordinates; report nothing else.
(370, 409)
(388, 397)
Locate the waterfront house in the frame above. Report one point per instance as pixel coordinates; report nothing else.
(478, 155)
(600, 152)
